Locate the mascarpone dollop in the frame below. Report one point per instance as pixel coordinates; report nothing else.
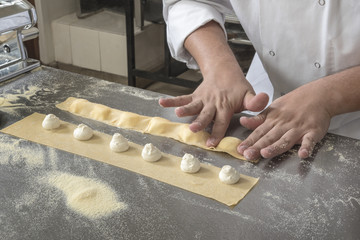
(150, 153)
(83, 132)
(51, 122)
(189, 163)
(229, 175)
(118, 143)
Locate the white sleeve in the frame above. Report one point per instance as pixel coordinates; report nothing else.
(182, 17)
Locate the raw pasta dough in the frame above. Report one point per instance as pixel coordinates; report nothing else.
(205, 182)
(152, 125)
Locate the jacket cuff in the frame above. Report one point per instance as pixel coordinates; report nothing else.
(183, 18)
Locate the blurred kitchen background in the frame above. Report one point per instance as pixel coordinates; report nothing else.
(90, 37)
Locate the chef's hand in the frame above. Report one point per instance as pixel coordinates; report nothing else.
(299, 117)
(223, 92)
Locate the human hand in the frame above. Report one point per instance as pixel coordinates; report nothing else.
(223, 92)
(299, 117)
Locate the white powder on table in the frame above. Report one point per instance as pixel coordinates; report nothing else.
(86, 196)
(21, 154)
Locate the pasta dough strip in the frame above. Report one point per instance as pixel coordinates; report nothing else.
(167, 169)
(151, 125)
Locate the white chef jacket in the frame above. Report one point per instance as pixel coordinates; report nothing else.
(296, 41)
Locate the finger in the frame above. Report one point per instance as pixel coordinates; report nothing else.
(308, 143)
(256, 102)
(271, 137)
(203, 119)
(253, 138)
(221, 123)
(190, 109)
(285, 143)
(253, 122)
(175, 101)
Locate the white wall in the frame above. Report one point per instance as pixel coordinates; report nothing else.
(47, 11)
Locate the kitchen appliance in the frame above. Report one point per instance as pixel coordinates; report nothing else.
(17, 20)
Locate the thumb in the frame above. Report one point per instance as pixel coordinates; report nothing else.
(252, 122)
(255, 103)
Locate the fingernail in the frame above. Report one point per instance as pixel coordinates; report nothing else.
(304, 153)
(250, 154)
(195, 127)
(242, 148)
(269, 150)
(211, 142)
(178, 111)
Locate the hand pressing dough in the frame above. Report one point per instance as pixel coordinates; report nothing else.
(152, 125)
(190, 164)
(205, 182)
(151, 153)
(119, 143)
(51, 122)
(83, 132)
(229, 175)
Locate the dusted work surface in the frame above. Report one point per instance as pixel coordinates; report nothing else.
(205, 182)
(294, 199)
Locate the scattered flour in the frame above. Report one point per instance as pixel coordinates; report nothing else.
(343, 158)
(20, 153)
(138, 93)
(226, 210)
(330, 148)
(17, 98)
(86, 196)
(29, 93)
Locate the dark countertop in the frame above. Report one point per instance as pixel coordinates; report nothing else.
(316, 198)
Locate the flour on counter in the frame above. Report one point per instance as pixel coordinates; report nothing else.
(86, 196)
(21, 154)
(138, 93)
(34, 96)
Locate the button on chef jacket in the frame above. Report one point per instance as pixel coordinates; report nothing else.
(296, 41)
